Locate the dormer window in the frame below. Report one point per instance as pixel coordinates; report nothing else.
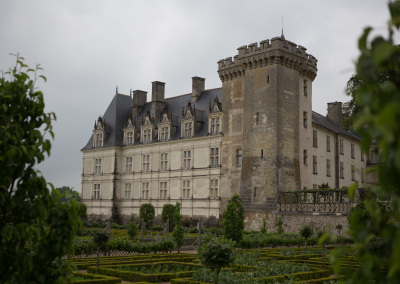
(165, 127)
(129, 132)
(188, 129)
(215, 117)
(164, 133)
(146, 136)
(99, 133)
(147, 129)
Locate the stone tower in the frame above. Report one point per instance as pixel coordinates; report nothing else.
(267, 127)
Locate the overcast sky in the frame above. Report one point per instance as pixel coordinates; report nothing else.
(87, 48)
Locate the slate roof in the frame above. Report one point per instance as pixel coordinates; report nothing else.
(326, 123)
(119, 111)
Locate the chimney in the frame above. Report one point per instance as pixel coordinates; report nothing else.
(138, 101)
(197, 87)
(157, 98)
(335, 113)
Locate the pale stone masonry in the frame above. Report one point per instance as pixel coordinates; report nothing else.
(255, 136)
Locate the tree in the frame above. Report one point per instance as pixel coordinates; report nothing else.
(36, 228)
(233, 219)
(100, 238)
(168, 213)
(339, 227)
(306, 232)
(67, 193)
(378, 102)
(132, 228)
(178, 233)
(146, 214)
(279, 224)
(216, 252)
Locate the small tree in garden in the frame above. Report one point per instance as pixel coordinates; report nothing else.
(264, 226)
(216, 252)
(100, 238)
(279, 225)
(168, 213)
(178, 232)
(146, 214)
(339, 227)
(233, 219)
(132, 228)
(306, 232)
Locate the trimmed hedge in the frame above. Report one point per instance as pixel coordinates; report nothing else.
(94, 279)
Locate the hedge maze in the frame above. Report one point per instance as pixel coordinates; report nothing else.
(271, 265)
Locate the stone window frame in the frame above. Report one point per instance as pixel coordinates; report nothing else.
(362, 156)
(129, 137)
(328, 143)
(214, 188)
(186, 189)
(352, 150)
(187, 159)
(146, 163)
(315, 139)
(305, 119)
(214, 157)
(362, 175)
(328, 167)
(341, 146)
(305, 157)
(164, 161)
(341, 170)
(163, 190)
(164, 133)
(98, 139)
(305, 89)
(353, 173)
(315, 165)
(128, 191)
(147, 133)
(98, 166)
(145, 190)
(129, 164)
(97, 191)
(239, 157)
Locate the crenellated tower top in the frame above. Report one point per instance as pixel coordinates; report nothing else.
(268, 52)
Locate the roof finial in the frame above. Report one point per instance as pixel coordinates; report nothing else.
(116, 90)
(282, 36)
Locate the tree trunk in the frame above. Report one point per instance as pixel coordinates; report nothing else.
(217, 275)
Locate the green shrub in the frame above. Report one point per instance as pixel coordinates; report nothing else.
(132, 228)
(233, 219)
(168, 212)
(146, 214)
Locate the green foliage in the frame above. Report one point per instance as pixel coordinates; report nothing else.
(168, 213)
(178, 232)
(67, 193)
(132, 228)
(378, 101)
(339, 227)
(146, 214)
(100, 238)
(306, 232)
(82, 210)
(264, 226)
(36, 228)
(216, 252)
(279, 224)
(233, 219)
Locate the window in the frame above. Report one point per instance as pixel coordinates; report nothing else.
(214, 157)
(187, 159)
(146, 163)
(146, 136)
(341, 170)
(214, 188)
(315, 139)
(315, 186)
(305, 119)
(96, 191)
(99, 140)
(215, 125)
(129, 138)
(362, 175)
(362, 156)
(163, 190)
(128, 190)
(145, 190)
(129, 164)
(328, 167)
(374, 156)
(188, 129)
(186, 189)
(164, 133)
(341, 151)
(239, 157)
(353, 173)
(315, 168)
(352, 151)
(164, 162)
(305, 87)
(328, 143)
(97, 166)
(305, 158)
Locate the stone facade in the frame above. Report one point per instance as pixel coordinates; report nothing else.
(253, 136)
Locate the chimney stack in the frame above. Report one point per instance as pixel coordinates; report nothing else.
(197, 87)
(157, 98)
(335, 113)
(138, 100)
